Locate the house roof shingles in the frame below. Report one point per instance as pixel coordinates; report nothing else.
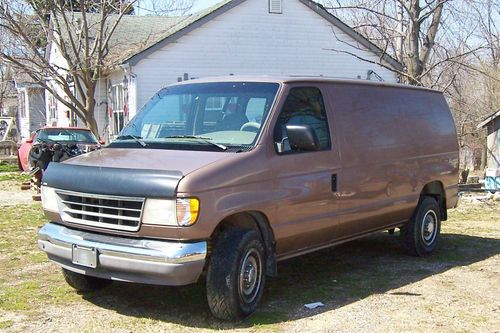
(132, 34)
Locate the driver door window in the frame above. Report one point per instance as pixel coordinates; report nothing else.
(303, 106)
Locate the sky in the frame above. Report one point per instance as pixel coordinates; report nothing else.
(145, 7)
(202, 4)
(197, 5)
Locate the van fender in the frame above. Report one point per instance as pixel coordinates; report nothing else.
(254, 220)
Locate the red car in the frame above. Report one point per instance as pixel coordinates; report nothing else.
(75, 141)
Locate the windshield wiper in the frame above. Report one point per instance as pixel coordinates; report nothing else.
(137, 139)
(201, 138)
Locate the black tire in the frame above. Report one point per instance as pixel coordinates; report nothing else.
(236, 274)
(421, 234)
(84, 283)
(36, 152)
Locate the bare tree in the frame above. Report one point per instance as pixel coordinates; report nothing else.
(78, 31)
(166, 7)
(5, 75)
(416, 33)
(475, 93)
(5, 84)
(448, 45)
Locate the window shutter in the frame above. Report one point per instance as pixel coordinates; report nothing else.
(275, 6)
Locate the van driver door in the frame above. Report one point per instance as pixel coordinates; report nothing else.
(307, 179)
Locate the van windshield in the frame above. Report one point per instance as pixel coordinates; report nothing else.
(224, 116)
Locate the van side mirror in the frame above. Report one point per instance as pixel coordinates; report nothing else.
(302, 137)
(102, 142)
(29, 140)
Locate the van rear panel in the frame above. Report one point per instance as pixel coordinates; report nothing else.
(393, 141)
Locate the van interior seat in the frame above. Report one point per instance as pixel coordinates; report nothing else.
(233, 118)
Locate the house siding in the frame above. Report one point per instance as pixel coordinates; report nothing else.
(60, 118)
(23, 115)
(493, 144)
(247, 40)
(32, 101)
(36, 110)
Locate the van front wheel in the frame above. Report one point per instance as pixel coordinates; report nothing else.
(421, 234)
(236, 274)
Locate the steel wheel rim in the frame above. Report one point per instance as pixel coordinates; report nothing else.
(428, 230)
(250, 276)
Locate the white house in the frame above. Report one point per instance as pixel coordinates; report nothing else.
(31, 106)
(24, 100)
(240, 37)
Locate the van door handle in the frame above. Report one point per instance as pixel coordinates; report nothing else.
(334, 182)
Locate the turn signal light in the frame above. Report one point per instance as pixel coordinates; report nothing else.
(187, 211)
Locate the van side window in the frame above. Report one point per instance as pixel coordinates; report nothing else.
(303, 106)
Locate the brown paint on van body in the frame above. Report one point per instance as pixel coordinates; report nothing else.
(387, 143)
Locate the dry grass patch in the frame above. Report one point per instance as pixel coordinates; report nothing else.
(366, 285)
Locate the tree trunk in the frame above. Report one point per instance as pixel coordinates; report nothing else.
(89, 109)
(412, 60)
(92, 125)
(484, 155)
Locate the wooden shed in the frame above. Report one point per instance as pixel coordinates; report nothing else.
(492, 125)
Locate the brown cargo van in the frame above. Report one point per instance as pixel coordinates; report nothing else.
(223, 178)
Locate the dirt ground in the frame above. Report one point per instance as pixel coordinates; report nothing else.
(367, 285)
(11, 194)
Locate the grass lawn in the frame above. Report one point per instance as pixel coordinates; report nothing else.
(366, 285)
(8, 167)
(13, 176)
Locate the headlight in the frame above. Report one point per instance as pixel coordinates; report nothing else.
(159, 212)
(181, 212)
(49, 199)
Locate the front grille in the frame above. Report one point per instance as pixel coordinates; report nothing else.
(120, 213)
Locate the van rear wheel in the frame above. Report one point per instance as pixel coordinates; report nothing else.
(84, 283)
(236, 274)
(421, 234)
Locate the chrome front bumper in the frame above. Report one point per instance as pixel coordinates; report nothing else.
(125, 259)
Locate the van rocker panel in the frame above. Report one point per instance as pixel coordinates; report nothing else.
(112, 181)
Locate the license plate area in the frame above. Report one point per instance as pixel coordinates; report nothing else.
(84, 256)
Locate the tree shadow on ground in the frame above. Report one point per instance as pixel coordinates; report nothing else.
(337, 276)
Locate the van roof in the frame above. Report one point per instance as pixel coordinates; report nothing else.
(298, 79)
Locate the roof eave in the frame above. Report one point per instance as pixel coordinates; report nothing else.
(489, 119)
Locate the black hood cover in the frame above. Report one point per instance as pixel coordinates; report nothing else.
(112, 181)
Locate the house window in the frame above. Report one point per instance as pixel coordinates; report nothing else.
(215, 103)
(276, 6)
(52, 107)
(118, 115)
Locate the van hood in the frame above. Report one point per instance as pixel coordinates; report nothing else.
(185, 161)
(128, 172)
